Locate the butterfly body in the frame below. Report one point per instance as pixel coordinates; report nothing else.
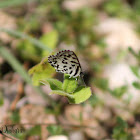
(66, 62)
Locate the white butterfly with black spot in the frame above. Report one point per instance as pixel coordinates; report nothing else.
(66, 62)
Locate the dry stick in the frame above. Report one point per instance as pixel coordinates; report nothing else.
(64, 125)
(8, 136)
(18, 96)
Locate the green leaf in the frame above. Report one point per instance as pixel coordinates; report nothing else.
(136, 85)
(28, 51)
(36, 130)
(120, 132)
(135, 70)
(55, 130)
(69, 84)
(136, 55)
(62, 93)
(15, 117)
(102, 83)
(119, 91)
(80, 95)
(116, 8)
(21, 135)
(54, 84)
(41, 71)
(132, 52)
(49, 39)
(94, 100)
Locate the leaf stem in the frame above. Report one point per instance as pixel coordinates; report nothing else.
(8, 136)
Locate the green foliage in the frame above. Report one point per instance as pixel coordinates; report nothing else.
(74, 27)
(69, 84)
(49, 39)
(80, 95)
(1, 99)
(102, 83)
(54, 110)
(136, 71)
(54, 84)
(15, 118)
(78, 117)
(120, 132)
(116, 8)
(95, 100)
(21, 136)
(28, 51)
(101, 43)
(136, 85)
(137, 6)
(97, 67)
(55, 130)
(136, 55)
(69, 88)
(112, 6)
(41, 71)
(119, 91)
(84, 18)
(15, 64)
(36, 130)
(67, 22)
(62, 93)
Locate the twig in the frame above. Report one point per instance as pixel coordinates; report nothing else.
(8, 136)
(18, 96)
(64, 125)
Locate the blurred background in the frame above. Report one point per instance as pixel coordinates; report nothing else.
(105, 35)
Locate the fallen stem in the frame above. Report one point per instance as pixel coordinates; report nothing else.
(8, 136)
(62, 124)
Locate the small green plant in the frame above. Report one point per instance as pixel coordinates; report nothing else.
(36, 130)
(69, 88)
(40, 71)
(136, 68)
(55, 130)
(120, 132)
(119, 91)
(15, 118)
(136, 84)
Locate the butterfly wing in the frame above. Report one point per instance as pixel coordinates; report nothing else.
(66, 62)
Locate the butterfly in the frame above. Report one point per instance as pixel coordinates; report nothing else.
(66, 62)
